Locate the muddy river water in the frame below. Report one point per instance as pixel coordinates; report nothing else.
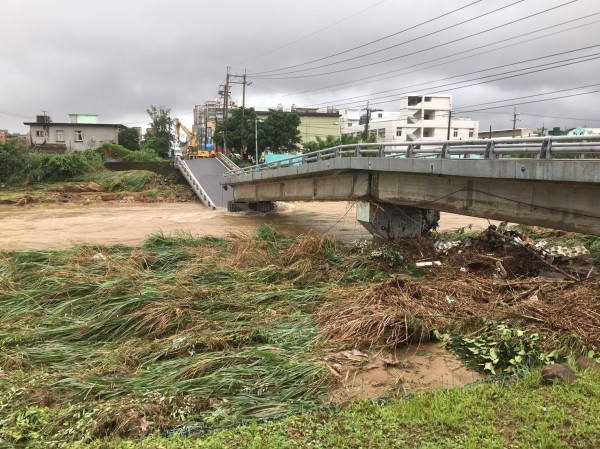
(37, 227)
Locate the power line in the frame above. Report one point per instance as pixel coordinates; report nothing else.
(329, 88)
(299, 96)
(14, 114)
(538, 67)
(310, 34)
(468, 73)
(564, 118)
(512, 22)
(534, 101)
(459, 110)
(375, 41)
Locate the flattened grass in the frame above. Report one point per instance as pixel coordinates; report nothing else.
(180, 329)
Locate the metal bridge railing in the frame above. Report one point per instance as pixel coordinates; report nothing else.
(499, 148)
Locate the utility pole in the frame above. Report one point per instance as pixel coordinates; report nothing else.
(367, 123)
(449, 123)
(225, 111)
(243, 118)
(244, 83)
(515, 120)
(243, 124)
(206, 126)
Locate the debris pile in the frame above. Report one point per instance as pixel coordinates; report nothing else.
(499, 275)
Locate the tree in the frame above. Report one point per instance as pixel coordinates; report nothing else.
(239, 134)
(332, 141)
(160, 138)
(129, 138)
(280, 131)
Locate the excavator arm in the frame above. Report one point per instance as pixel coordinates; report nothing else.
(181, 127)
(192, 148)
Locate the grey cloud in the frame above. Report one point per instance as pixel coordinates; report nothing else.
(115, 58)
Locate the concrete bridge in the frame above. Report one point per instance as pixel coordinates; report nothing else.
(400, 188)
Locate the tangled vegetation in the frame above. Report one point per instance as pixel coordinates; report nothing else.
(121, 342)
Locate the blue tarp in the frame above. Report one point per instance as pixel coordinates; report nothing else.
(271, 158)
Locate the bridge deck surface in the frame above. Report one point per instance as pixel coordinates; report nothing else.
(209, 173)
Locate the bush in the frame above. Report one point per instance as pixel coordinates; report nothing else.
(123, 154)
(20, 165)
(14, 161)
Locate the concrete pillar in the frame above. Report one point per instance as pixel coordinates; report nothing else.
(391, 221)
(259, 206)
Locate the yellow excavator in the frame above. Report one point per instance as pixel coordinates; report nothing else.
(192, 149)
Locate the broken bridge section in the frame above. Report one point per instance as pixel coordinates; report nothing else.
(204, 177)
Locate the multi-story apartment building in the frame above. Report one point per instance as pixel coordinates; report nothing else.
(206, 117)
(421, 117)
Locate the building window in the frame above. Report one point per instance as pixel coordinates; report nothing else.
(413, 101)
(425, 133)
(455, 133)
(60, 135)
(78, 136)
(380, 115)
(471, 131)
(381, 133)
(39, 134)
(428, 99)
(398, 132)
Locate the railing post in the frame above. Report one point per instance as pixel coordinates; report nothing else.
(336, 152)
(489, 150)
(410, 151)
(546, 149)
(319, 156)
(445, 152)
(381, 150)
(357, 151)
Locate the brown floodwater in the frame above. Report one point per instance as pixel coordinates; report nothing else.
(38, 227)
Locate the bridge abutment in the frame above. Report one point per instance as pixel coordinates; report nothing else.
(392, 221)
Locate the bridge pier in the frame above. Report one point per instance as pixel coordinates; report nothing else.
(391, 221)
(257, 206)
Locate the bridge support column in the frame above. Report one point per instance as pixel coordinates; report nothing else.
(391, 221)
(259, 206)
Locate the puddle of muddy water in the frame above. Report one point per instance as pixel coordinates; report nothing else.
(415, 369)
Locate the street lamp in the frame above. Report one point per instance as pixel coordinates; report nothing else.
(339, 129)
(256, 139)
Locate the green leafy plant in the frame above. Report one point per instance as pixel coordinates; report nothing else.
(498, 348)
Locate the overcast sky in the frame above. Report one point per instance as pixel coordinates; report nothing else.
(115, 58)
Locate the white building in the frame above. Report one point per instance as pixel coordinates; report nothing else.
(82, 132)
(421, 117)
